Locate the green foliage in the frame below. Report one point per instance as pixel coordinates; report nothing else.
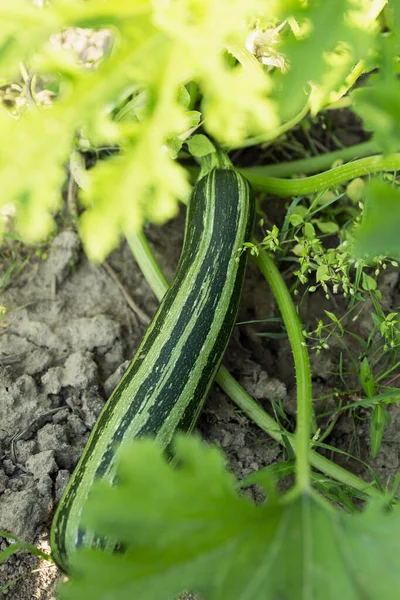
(380, 418)
(32, 172)
(156, 49)
(377, 104)
(367, 378)
(320, 54)
(137, 99)
(388, 326)
(377, 101)
(331, 266)
(18, 546)
(169, 67)
(194, 531)
(378, 234)
(23, 30)
(200, 145)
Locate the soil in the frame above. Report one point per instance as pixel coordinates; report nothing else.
(67, 337)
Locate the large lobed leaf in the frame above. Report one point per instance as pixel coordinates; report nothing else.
(157, 47)
(188, 528)
(333, 39)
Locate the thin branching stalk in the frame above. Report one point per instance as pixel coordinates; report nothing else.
(301, 364)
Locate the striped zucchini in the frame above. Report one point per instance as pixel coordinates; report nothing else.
(168, 379)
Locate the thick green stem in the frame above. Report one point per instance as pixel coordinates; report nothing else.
(270, 178)
(148, 264)
(323, 181)
(301, 365)
(321, 162)
(157, 282)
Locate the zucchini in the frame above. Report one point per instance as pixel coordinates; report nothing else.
(166, 383)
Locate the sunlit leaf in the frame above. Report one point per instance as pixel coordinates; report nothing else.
(32, 174)
(326, 51)
(23, 29)
(368, 282)
(377, 105)
(200, 145)
(136, 97)
(142, 192)
(236, 105)
(378, 234)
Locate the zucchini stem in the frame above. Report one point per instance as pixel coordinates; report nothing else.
(301, 365)
(319, 162)
(270, 179)
(322, 181)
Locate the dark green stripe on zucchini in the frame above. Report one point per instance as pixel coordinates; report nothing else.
(168, 379)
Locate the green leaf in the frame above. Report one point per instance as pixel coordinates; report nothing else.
(377, 102)
(174, 145)
(355, 190)
(300, 210)
(237, 92)
(368, 282)
(377, 106)
(378, 234)
(322, 273)
(199, 145)
(18, 546)
(23, 29)
(193, 118)
(135, 109)
(78, 169)
(367, 378)
(296, 220)
(184, 97)
(379, 419)
(188, 528)
(328, 227)
(142, 192)
(32, 173)
(309, 231)
(329, 48)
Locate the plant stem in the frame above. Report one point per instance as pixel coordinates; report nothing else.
(323, 181)
(351, 79)
(148, 264)
(245, 57)
(270, 178)
(321, 162)
(256, 413)
(158, 283)
(301, 365)
(272, 135)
